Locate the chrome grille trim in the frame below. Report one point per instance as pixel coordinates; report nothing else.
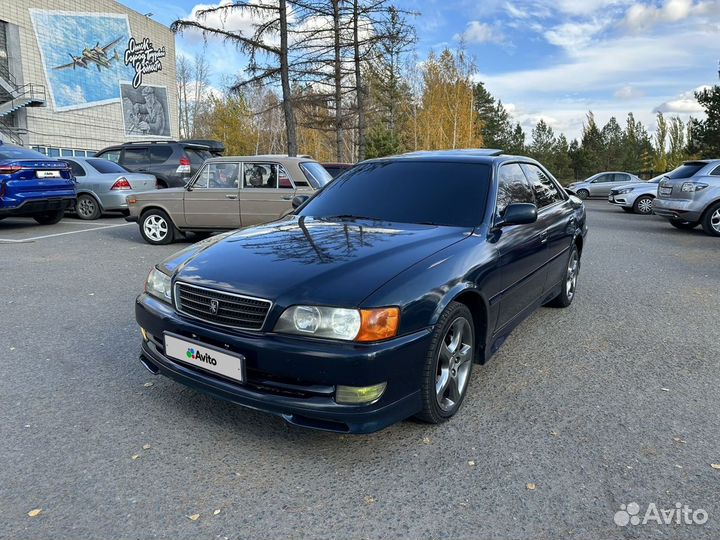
(235, 310)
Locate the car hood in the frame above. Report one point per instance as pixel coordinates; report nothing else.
(307, 260)
(645, 186)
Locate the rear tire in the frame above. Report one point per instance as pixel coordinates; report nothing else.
(49, 218)
(448, 364)
(569, 283)
(684, 225)
(156, 227)
(711, 220)
(583, 194)
(87, 207)
(644, 205)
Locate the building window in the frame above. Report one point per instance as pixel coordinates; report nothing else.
(66, 152)
(53, 152)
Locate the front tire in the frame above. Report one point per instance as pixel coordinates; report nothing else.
(683, 225)
(569, 285)
(711, 220)
(448, 364)
(49, 218)
(643, 205)
(583, 194)
(87, 207)
(156, 228)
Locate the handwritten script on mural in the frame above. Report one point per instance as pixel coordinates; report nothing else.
(144, 58)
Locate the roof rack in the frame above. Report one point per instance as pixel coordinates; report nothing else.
(151, 141)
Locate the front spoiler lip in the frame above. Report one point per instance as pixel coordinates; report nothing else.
(341, 418)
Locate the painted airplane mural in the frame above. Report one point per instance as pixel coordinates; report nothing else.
(96, 55)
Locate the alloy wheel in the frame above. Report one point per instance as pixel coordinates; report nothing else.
(454, 363)
(86, 206)
(155, 227)
(645, 205)
(715, 220)
(572, 274)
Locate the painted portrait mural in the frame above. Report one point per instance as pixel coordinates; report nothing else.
(145, 110)
(82, 55)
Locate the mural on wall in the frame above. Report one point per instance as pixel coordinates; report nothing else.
(145, 110)
(82, 56)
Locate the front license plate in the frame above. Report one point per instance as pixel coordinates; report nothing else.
(665, 190)
(205, 357)
(48, 174)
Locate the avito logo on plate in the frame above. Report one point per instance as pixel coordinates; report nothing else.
(202, 357)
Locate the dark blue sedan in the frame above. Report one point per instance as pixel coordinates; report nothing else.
(373, 301)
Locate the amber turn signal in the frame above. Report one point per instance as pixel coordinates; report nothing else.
(378, 324)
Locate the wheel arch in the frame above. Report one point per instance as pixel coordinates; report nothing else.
(149, 208)
(479, 307)
(92, 194)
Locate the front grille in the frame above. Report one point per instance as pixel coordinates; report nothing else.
(225, 309)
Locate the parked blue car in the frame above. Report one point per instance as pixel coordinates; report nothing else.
(34, 185)
(371, 302)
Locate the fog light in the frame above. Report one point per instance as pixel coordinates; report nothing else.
(358, 395)
(144, 334)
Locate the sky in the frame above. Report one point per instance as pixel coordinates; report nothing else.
(549, 59)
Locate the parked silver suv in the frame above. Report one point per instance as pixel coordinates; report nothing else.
(690, 196)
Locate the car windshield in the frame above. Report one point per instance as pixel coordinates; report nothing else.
(104, 166)
(686, 170)
(17, 152)
(439, 193)
(316, 174)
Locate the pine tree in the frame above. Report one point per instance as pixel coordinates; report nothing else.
(704, 136)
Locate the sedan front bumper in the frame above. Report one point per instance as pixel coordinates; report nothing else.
(294, 377)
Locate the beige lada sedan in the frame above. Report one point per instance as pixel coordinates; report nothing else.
(225, 194)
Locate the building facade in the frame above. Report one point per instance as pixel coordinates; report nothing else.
(79, 75)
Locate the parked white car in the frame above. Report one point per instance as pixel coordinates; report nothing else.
(638, 197)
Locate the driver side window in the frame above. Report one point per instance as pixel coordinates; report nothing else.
(218, 176)
(513, 187)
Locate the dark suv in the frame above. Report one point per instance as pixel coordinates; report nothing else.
(173, 163)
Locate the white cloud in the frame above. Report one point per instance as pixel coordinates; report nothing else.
(574, 35)
(478, 32)
(515, 11)
(628, 92)
(684, 103)
(642, 17)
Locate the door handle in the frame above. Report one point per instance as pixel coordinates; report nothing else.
(544, 237)
(230, 196)
(287, 197)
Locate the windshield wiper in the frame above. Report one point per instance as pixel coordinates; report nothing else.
(351, 216)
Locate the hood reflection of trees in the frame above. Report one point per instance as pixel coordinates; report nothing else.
(313, 241)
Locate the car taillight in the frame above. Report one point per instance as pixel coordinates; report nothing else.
(184, 167)
(121, 183)
(10, 169)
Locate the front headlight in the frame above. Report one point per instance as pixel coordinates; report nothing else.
(623, 191)
(339, 323)
(693, 186)
(158, 285)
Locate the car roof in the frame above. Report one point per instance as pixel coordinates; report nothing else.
(464, 155)
(266, 157)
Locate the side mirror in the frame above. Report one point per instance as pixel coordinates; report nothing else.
(519, 214)
(298, 201)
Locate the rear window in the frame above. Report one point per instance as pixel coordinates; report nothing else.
(440, 193)
(315, 173)
(104, 166)
(196, 156)
(160, 154)
(17, 152)
(686, 170)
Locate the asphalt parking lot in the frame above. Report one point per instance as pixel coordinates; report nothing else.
(609, 402)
